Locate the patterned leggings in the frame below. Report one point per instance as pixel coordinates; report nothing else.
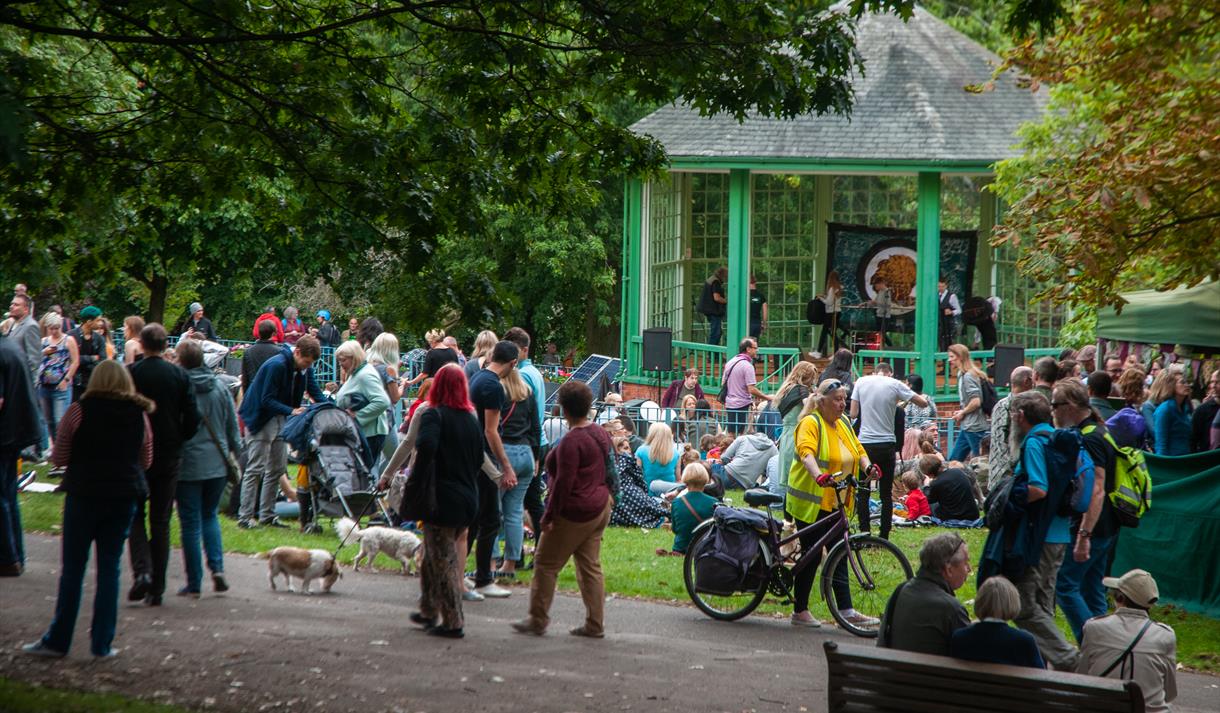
(440, 596)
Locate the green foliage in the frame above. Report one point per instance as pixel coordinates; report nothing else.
(1116, 187)
(22, 697)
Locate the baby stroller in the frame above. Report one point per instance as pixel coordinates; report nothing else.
(335, 480)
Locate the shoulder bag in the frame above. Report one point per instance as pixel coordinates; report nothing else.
(1129, 652)
(724, 388)
(232, 469)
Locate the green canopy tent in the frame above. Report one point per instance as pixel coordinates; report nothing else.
(1178, 539)
(1186, 315)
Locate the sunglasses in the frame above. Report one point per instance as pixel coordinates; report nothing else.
(1057, 404)
(829, 386)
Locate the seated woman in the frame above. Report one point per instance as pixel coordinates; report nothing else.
(953, 494)
(991, 639)
(634, 507)
(658, 458)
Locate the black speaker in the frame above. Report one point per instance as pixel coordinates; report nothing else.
(658, 349)
(1007, 358)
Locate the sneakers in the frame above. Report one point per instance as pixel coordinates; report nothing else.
(247, 524)
(858, 619)
(42, 650)
(188, 592)
(811, 622)
(106, 656)
(493, 591)
(471, 596)
(273, 522)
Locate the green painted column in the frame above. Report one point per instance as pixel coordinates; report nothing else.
(927, 247)
(633, 224)
(738, 292)
(823, 211)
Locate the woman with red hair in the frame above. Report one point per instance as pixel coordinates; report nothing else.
(448, 454)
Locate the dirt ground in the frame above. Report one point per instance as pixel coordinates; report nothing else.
(354, 650)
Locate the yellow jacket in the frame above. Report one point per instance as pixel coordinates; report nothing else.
(831, 445)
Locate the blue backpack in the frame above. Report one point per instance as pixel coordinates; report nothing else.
(1069, 462)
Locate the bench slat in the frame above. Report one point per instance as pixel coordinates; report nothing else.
(871, 679)
(991, 689)
(925, 693)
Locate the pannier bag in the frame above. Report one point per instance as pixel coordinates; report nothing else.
(731, 557)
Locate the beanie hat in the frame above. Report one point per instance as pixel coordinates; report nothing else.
(90, 312)
(195, 307)
(1127, 427)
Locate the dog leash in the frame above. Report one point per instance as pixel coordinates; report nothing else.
(363, 512)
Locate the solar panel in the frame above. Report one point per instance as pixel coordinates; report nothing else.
(591, 371)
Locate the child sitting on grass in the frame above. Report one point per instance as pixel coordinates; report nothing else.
(916, 501)
(690, 508)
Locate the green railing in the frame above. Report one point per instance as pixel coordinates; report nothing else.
(709, 360)
(945, 388)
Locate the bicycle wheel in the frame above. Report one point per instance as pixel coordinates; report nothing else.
(870, 576)
(724, 607)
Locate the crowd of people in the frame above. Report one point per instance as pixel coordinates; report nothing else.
(500, 473)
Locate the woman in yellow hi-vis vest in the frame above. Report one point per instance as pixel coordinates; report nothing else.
(825, 443)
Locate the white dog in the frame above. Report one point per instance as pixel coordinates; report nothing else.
(397, 544)
(305, 565)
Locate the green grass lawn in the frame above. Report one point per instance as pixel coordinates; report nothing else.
(633, 569)
(29, 698)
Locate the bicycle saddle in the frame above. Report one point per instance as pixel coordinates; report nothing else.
(759, 497)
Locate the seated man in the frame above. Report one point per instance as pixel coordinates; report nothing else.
(1129, 645)
(923, 612)
(745, 460)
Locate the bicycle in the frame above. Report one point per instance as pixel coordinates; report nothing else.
(870, 567)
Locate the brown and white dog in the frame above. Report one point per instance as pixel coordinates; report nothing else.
(397, 544)
(305, 565)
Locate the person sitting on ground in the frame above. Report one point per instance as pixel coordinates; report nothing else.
(745, 460)
(611, 408)
(952, 494)
(681, 388)
(723, 441)
(707, 443)
(658, 458)
(704, 424)
(991, 639)
(915, 500)
(1129, 645)
(628, 425)
(634, 507)
(692, 507)
(923, 613)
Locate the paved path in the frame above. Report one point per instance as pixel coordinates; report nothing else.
(258, 650)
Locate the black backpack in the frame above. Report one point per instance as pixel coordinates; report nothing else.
(990, 397)
(815, 311)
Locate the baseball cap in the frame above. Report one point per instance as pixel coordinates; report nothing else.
(1136, 585)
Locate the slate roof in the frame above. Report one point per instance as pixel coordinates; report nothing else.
(911, 105)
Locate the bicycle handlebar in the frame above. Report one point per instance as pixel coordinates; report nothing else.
(836, 480)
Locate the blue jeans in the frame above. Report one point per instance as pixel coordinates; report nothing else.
(714, 325)
(198, 502)
(86, 520)
(54, 403)
(1079, 590)
(12, 540)
(512, 502)
(967, 442)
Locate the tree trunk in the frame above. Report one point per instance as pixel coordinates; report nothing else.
(158, 286)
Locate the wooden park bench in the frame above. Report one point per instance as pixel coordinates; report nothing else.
(866, 678)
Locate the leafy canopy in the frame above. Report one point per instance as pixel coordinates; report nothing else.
(1117, 187)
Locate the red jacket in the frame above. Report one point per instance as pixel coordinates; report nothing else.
(670, 399)
(279, 329)
(917, 505)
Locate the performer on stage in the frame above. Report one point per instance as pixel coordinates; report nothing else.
(833, 299)
(950, 310)
(884, 305)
